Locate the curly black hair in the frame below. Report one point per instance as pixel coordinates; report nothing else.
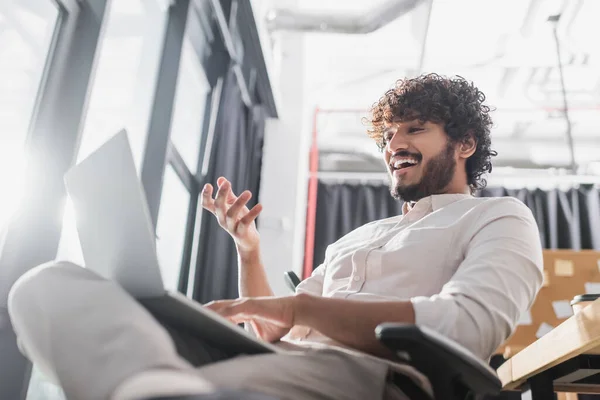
(453, 102)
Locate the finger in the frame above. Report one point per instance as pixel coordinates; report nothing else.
(260, 330)
(220, 198)
(222, 193)
(228, 195)
(247, 219)
(236, 207)
(218, 305)
(229, 307)
(252, 214)
(206, 200)
(256, 317)
(240, 308)
(231, 197)
(236, 319)
(256, 328)
(222, 181)
(240, 318)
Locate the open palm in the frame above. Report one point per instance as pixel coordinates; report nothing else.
(232, 213)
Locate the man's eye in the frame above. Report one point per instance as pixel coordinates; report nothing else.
(415, 130)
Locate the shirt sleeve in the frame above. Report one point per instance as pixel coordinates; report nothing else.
(314, 283)
(495, 284)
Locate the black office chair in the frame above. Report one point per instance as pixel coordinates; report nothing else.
(454, 373)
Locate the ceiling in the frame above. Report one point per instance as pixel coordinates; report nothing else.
(506, 48)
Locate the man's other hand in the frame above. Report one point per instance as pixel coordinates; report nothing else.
(270, 317)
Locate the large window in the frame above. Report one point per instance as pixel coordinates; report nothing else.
(122, 91)
(186, 133)
(190, 102)
(26, 36)
(128, 63)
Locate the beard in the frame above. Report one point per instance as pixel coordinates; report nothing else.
(437, 174)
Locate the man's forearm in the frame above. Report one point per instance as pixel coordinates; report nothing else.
(252, 277)
(351, 322)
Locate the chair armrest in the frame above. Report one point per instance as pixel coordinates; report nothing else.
(451, 368)
(291, 279)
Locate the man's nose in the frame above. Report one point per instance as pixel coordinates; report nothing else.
(397, 142)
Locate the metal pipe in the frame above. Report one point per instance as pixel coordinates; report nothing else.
(498, 110)
(358, 23)
(494, 179)
(311, 208)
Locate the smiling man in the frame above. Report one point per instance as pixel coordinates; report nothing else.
(466, 267)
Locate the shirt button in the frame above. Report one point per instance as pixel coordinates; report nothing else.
(357, 278)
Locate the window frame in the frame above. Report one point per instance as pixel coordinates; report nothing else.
(32, 237)
(58, 118)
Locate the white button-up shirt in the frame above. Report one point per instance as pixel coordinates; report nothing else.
(470, 266)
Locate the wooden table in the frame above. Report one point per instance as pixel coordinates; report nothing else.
(566, 359)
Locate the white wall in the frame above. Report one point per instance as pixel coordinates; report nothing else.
(283, 190)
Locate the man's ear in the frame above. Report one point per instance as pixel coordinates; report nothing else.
(467, 146)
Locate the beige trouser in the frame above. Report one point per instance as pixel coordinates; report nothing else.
(88, 335)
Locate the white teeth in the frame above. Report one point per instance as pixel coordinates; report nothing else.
(401, 161)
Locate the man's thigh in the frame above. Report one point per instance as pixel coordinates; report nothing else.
(299, 374)
(314, 374)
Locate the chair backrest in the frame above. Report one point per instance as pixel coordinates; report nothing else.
(567, 274)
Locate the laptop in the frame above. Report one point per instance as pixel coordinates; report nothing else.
(118, 242)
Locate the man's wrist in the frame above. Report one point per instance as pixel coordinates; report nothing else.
(249, 255)
(303, 303)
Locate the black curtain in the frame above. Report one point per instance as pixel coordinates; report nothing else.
(236, 154)
(343, 207)
(566, 219)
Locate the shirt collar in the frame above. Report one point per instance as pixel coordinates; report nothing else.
(441, 200)
(436, 201)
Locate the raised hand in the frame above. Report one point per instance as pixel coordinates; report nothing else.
(233, 214)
